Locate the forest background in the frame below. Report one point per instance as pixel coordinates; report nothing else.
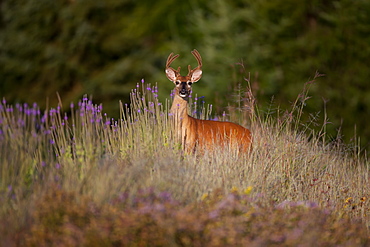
(103, 48)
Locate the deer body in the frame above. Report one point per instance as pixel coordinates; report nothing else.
(195, 133)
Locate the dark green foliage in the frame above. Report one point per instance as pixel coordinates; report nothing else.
(283, 44)
(77, 47)
(104, 47)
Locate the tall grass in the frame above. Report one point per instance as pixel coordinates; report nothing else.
(66, 179)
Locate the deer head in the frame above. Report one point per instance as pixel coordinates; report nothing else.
(183, 83)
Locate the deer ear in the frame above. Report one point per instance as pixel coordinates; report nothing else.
(171, 74)
(197, 74)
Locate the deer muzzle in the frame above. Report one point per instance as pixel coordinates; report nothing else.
(184, 90)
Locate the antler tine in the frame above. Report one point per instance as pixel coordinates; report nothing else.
(197, 57)
(170, 59)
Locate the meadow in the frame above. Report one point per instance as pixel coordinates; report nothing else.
(86, 179)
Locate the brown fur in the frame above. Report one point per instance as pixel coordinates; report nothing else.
(201, 134)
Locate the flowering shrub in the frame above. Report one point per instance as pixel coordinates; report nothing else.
(156, 219)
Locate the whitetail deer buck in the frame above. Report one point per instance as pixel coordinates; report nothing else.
(195, 133)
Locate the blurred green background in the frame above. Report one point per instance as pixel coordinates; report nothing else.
(104, 47)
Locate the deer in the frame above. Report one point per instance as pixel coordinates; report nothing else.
(196, 134)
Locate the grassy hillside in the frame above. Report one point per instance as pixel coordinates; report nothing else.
(86, 179)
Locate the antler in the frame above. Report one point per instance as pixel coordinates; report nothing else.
(194, 74)
(170, 59)
(198, 58)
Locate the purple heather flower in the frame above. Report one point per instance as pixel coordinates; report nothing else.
(214, 214)
(51, 112)
(20, 122)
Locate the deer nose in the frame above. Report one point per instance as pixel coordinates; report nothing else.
(184, 91)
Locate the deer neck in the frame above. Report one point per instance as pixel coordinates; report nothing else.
(179, 108)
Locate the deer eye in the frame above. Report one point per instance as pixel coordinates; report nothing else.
(189, 83)
(177, 82)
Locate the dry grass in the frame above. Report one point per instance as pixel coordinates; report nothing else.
(84, 178)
